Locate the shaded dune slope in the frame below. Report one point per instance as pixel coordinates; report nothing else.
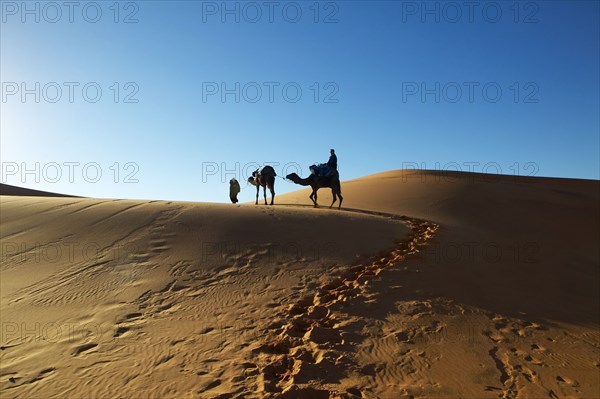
(513, 244)
(7, 189)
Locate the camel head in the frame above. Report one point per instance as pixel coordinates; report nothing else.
(252, 180)
(293, 177)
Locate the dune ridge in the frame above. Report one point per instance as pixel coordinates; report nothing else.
(7, 189)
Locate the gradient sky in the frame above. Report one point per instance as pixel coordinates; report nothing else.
(368, 61)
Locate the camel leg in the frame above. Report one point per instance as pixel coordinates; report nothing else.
(257, 189)
(341, 199)
(265, 193)
(316, 204)
(272, 188)
(334, 198)
(312, 198)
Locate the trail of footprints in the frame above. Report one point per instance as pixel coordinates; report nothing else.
(517, 366)
(313, 337)
(187, 284)
(509, 374)
(85, 279)
(158, 237)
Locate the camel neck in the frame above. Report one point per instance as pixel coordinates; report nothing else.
(304, 181)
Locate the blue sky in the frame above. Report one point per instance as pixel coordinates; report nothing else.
(503, 86)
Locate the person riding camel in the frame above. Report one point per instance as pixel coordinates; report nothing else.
(332, 163)
(326, 169)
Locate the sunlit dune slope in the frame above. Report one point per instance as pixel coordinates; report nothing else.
(101, 290)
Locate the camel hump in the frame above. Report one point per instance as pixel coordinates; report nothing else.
(267, 170)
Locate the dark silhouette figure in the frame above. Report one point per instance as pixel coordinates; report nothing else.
(317, 182)
(326, 169)
(234, 190)
(264, 177)
(332, 163)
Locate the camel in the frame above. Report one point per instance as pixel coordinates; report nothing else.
(264, 177)
(316, 183)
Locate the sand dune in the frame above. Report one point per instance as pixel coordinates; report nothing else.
(7, 189)
(426, 285)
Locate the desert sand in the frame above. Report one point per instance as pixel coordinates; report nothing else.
(424, 285)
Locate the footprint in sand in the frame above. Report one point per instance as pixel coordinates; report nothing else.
(533, 360)
(568, 381)
(132, 316)
(205, 330)
(130, 319)
(43, 374)
(495, 336)
(120, 330)
(405, 336)
(84, 348)
(536, 347)
(250, 369)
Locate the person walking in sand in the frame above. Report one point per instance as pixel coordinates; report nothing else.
(234, 190)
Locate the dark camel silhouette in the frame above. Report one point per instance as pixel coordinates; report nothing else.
(316, 183)
(264, 177)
